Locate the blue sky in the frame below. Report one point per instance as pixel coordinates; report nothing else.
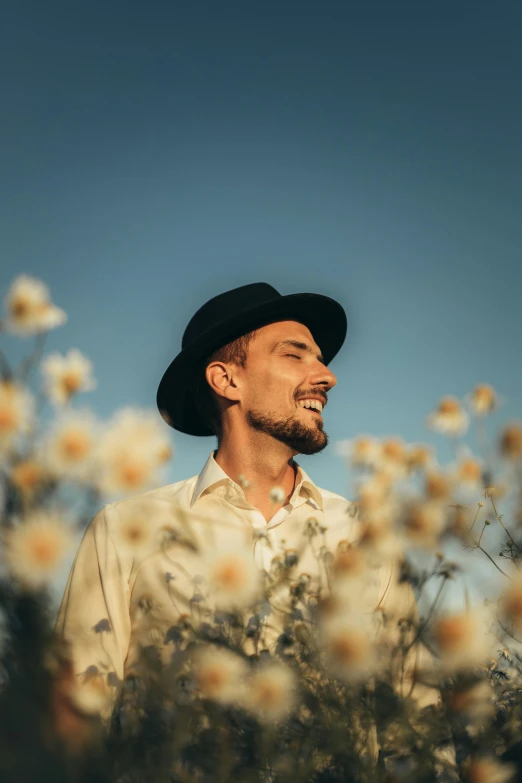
(155, 154)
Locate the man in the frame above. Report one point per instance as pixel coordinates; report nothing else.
(254, 372)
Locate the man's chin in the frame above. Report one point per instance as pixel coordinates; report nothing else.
(301, 438)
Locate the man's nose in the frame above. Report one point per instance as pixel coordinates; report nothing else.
(322, 376)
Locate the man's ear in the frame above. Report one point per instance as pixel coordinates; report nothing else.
(222, 379)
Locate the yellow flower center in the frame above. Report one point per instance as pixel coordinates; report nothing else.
(71, 381)
(75, 444)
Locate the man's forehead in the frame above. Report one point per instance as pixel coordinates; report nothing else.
(286, 330)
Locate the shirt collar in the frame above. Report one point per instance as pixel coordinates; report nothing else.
(213, 476)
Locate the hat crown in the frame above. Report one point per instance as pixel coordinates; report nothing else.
(221, 306)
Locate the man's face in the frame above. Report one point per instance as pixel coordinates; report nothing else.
(283, 369)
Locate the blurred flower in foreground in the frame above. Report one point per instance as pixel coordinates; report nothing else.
(511, 441)
(462, 640)
(35, 548)
(510, 603)
(91, 695)
(449, 418)
(16, 413)
(419, 456)
(364, 450)
(130, 452)
(475, 703)
(270, 692)
(219, 674)
(394, 457)
(234, 579)
(27, 476)
(65, 376)
(69, 448)
(487, 770)
(28, 309)
(277, 495)
(483, 399)
(467, 471)
(377, 534)
(423, 523)
(139, 525)
(348, 642)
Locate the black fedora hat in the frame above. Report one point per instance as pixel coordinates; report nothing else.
(225, 318)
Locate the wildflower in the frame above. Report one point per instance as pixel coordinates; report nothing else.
(348, 644)
(467, 472)
(350, 562)
(363, 450)
(483, 399)
(475, 703)
(16, 413)
(377, 535)
(70, 447)
(511, 441)
(487, 770)
(270, 692)
(393, 457)
(36, 547)
(277, 495)
(139, 523)
(130, 451)
(423, 523)
(243, 481)
(461, 639)
(65, 376)
(233, 577)
(510, 603)
(27, 476)
(91, 696)
(449, 418)
(28, 308)
(419, 457)
(438, 485)
(373, 492)
(460, 522)
(219, 674)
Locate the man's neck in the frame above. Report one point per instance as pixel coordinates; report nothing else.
(259, 467)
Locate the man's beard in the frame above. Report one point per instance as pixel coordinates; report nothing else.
(292, 432)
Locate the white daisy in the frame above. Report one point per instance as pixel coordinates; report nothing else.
(65, 376)
(277, 495)
(219, 674)
(363, 450)
(69, 448)
(17, 414)
(130, 452)
(28, 309)
(483, 399)
(35, 548)
(271, 692)
(234, 579)
(449, 418)
(462, 639)
(348, 643)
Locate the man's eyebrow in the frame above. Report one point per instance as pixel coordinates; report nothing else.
(300, 345)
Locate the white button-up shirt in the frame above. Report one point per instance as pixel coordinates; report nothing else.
(117, 605)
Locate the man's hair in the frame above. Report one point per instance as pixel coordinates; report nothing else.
(235, 352)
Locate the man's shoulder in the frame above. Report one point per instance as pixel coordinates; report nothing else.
(179, 493)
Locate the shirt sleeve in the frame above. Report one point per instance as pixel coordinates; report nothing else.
(93, 619)
(415, 674)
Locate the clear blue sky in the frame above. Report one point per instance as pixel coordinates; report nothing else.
(154, 154)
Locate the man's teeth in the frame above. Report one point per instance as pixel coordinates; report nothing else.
(311, 404)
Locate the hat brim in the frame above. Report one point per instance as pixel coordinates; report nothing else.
(325, 318)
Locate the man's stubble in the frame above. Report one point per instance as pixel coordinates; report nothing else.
(293, 433)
